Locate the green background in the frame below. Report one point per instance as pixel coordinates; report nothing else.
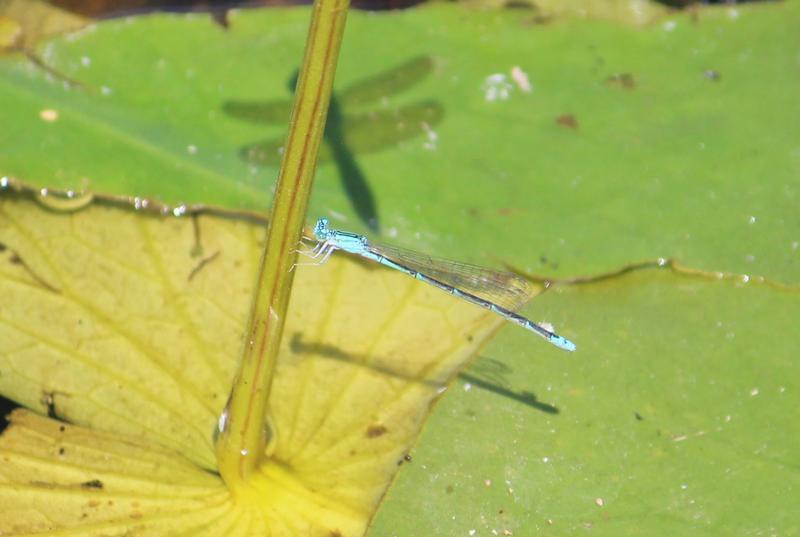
(698, 160)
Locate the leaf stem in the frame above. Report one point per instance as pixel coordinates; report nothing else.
(241, 442)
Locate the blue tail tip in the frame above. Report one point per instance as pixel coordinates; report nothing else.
(563, 343)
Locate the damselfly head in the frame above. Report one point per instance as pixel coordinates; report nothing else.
(321, 229)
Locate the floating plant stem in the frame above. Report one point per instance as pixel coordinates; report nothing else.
(242, 438)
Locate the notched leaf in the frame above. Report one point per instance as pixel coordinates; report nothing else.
(141, 342)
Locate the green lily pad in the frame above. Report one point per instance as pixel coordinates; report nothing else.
(667, 116)
(676, 415)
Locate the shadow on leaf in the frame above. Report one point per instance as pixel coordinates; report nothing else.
(350, 129)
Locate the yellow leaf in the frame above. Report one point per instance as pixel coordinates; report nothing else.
(129, 324)
(10, 33)
(55, 475)
(25, 22)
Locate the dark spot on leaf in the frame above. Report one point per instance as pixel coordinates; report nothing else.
(449, 489)
(374, 431)
(62, 428)
(567, 120)
(93, 484)
(638, 416)
(48, 400)
(518, 4)
(335, 533)
(712, 75)
(2, 247)
(61, 451)
(622, 80)
(408, 458)
(15, 259)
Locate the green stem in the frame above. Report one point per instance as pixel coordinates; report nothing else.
(240, 446)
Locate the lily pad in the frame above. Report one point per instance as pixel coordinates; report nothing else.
(129, 324)
(564, 147)
(676, 415)
(663, 115)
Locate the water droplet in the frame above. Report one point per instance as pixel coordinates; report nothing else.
(180, 210)
(222, 422)
(496, 88)
(69, 201)
(432, 137)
